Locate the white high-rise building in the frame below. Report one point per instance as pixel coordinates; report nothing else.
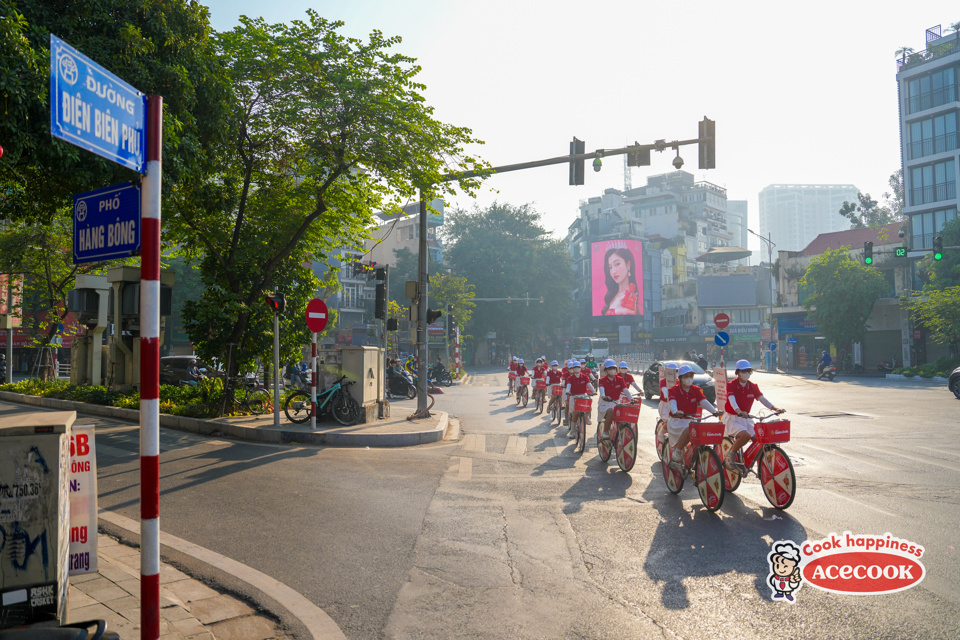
(792, 215)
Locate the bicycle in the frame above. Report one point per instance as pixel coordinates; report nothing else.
(556, 403)
(582, 405)
(540, 393)
(523, 393)
(702, 458)
(249, 395)
(335, 399)
(623, 435)
(774, 468)
(511, 376)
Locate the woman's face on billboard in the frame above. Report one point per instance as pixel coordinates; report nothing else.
(618, 268)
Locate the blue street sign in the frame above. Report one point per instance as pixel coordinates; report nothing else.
(772, 346)
(791, 341)
(722, 338)
(106, 223)
(94, 109)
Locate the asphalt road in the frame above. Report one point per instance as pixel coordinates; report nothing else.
(508, 533)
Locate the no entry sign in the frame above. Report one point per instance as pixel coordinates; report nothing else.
(722, 320)
(316, 315)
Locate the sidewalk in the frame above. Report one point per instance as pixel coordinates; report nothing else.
(190, 610)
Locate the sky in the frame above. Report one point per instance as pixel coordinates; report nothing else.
(802, 93)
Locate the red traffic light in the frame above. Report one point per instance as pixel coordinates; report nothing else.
(277, 302)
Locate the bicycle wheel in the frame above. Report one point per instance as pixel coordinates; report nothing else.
(672, 477)
(539, 402)
(297, 407)
(709, 478)
(581, 444)
(605, 447)
(731, 479)
(259, 401)
(345, 410)
(777, 477)
(525, 396)
(626, 446)
(660, 438)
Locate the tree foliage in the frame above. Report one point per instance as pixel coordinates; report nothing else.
(844, 292)
(446, 289)
(939, 311)
(503, 251)
(945, 273)
(325, 130)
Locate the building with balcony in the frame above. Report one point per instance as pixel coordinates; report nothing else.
(891, 333)
(792, 215)
(929, 149)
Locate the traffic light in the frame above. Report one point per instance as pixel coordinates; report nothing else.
(868, 253)
(452, 327)
(576, 166)
(392, 324)
(638, 156)
(380, 301)
(433, 315)
(708, 143)
(901, 252)
(277, 302)
(937, 248)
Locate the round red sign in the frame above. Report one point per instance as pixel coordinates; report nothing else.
(722, 320)
(316, 315)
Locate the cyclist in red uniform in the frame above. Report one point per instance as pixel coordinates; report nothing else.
(554, 377)
(741, 394)
(664, 408)
(686, 400)
(577, 384)
(625, 374)
(612, 386)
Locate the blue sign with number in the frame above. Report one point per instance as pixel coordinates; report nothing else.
(106, 223)
(94, 109)
(772, 346)
(722, 338)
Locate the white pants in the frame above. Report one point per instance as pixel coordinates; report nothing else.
(603, 405)
(735, 424)
(675, 429)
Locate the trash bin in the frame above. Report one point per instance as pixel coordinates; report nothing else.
(34, 517)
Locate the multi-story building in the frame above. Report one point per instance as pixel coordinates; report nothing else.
(737, 225)
(792, 215)
(929, 114)
(401, 230)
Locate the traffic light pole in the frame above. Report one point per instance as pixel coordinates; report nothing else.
(276, 368)
(422, 313)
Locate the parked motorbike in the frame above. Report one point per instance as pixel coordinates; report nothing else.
(829, 371)
(887, 367)
(438, 373)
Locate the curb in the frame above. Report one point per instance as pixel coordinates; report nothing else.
(898, 376)
(269, 435)
(282, 601)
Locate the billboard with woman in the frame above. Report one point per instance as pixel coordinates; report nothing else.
(617, 267)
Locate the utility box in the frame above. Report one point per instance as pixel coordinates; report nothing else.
(34, 517)
(365, 366)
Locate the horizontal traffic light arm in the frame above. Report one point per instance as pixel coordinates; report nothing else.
(659, 145)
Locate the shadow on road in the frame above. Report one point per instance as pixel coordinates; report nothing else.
(692, 542)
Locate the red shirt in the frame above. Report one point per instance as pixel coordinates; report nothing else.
(627, 378)
(539, 371)
(513, 365)
(612, 387)
(566, 373)
(577, 385)
(688, 401)
(554, 377)
(745, 395)
(521, 369)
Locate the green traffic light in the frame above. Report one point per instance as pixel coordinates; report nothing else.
(937, 256)
(869, 260)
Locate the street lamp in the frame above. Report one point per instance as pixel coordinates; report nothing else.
(770, 245)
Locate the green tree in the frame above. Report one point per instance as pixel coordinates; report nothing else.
(939, 311)
(39, 259)
(405, 267)
(503, 251)
(447, 289)
(325, 131)
(866, 212)
(843, 295)
(160, 48)
(944, 273)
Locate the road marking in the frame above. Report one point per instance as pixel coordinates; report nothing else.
(922, 460)
(516, 446)
(862, 504)
(855, 459)
(475, 442)
(465, 470)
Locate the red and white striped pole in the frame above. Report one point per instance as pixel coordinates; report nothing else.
(313, 382)
(150, 376)
(456, 349)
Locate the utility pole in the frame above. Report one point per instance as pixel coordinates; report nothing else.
(422, 312)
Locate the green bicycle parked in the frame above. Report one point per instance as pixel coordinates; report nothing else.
(335, 399)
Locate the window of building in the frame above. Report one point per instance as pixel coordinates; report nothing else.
(348, 297)
(931, 90)
(933, 182)
(933, 135)
(927, 225)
